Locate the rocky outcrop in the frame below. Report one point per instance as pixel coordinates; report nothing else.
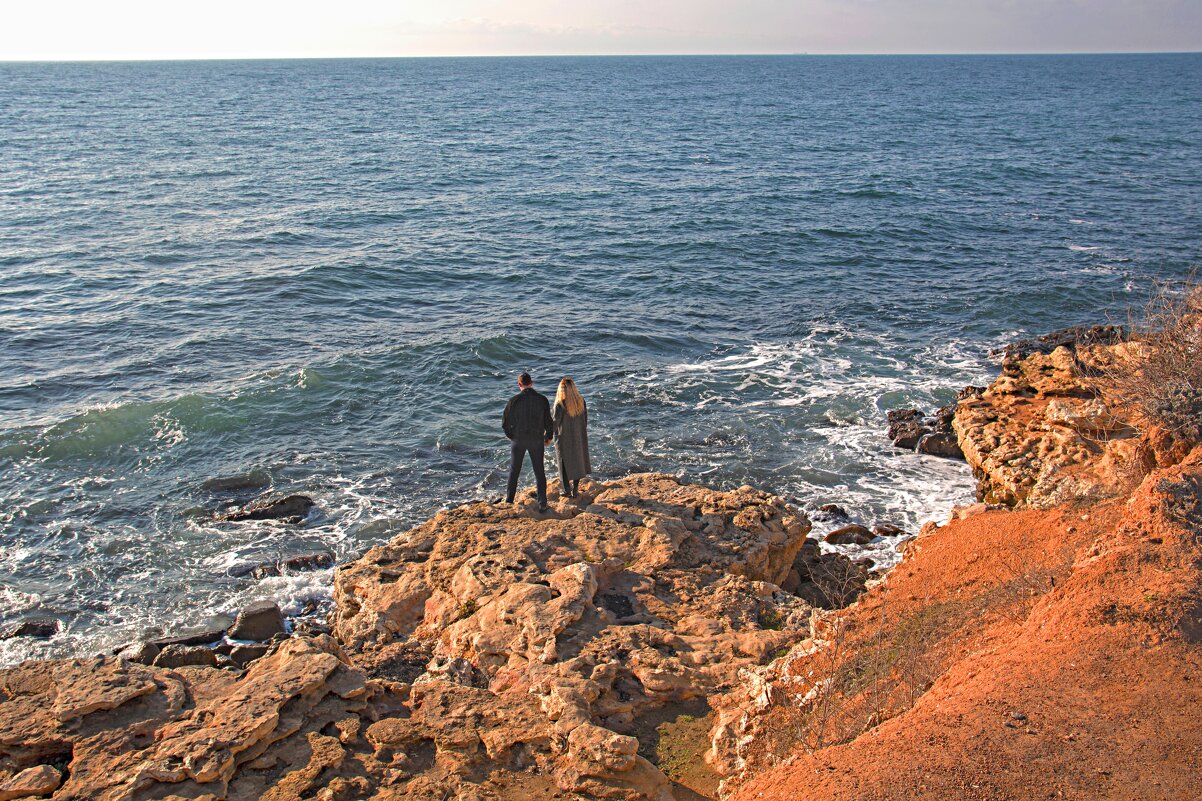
(1043, 432)
(1071, 338)
(38, 781)
(491, 652)
(639, 594)
(1056, 623)
(1068, 638)
(119, 730)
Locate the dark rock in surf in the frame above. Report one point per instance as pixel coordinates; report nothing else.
(888, 530)
(36, 629)
(933, 435)
(260, 621)
(941, 444)
(253, 480)
(849, 535)
(318, 560)
(831, 511)
(177, 656)
(285, 508)
(300, 563)
(906, 427)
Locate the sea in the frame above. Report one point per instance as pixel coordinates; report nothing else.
(223, 279)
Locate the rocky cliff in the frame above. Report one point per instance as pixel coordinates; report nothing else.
(492, 652)
(1043, 432)
(656, 640)
(1046, 643)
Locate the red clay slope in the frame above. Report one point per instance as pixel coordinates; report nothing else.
(1092, 690)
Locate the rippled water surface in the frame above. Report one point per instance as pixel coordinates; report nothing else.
(222, 278)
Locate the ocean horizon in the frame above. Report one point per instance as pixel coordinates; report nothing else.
(908, 54)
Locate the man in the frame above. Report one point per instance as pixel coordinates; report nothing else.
(527, 423)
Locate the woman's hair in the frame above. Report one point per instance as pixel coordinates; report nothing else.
(569, 398)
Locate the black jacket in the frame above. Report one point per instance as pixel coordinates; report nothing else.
(528, 417)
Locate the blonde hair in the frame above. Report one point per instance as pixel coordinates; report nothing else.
(569, 398)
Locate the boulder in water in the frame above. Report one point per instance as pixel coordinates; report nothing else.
(849, 535)
(286, 508)
(888, 530)
(941, 444)
(249, 481)
(932, 435)
(36, 629)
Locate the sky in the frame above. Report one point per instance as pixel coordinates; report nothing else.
(177, 29)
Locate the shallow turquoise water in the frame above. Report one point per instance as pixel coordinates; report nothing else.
(324, 275)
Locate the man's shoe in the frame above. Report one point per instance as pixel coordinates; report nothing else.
(542, 507)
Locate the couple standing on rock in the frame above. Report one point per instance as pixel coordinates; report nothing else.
(531, 425)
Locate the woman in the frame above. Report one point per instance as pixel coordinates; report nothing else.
(571, 437)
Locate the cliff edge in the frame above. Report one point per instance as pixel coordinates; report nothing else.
(1044, 643)
(492, 652)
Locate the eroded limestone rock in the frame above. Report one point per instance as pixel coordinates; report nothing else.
(640, 593)
(1042, 433)
(491, 652)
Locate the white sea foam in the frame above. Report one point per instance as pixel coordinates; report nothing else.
(820, 401)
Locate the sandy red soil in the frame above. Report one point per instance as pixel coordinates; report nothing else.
(1088, 688)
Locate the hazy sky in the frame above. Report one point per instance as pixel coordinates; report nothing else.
(84, 29)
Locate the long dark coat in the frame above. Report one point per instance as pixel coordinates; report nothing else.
(571, 443)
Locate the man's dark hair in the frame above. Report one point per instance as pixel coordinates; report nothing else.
(525, 380)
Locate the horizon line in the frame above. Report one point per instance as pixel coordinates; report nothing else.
(774, 54)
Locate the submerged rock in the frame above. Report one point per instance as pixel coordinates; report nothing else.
(286, 508)
(37, 629)
(251, 480)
